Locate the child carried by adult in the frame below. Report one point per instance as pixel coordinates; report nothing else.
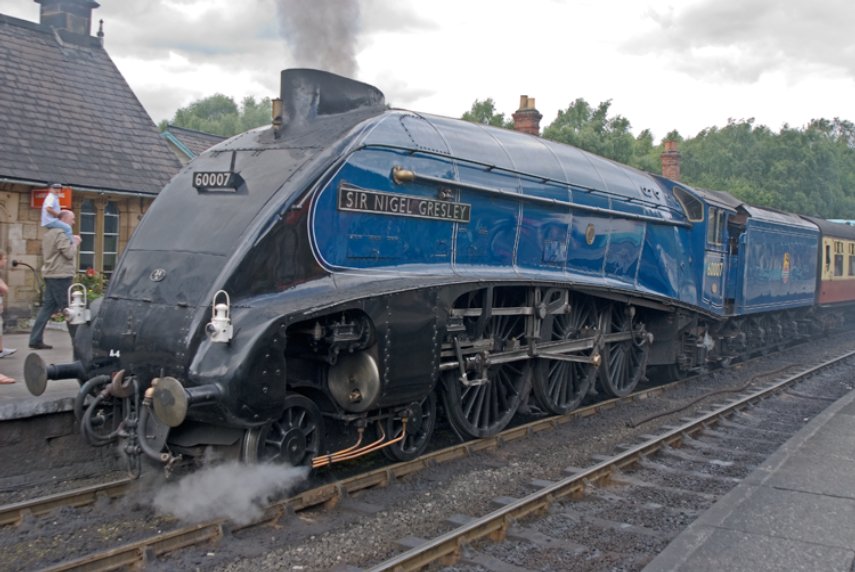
(51, 210)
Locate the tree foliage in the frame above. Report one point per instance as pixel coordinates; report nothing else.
(484, 112)
(220, 115)
(808, 170)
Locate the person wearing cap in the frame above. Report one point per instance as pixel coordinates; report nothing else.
(59, 255)
(51, 209)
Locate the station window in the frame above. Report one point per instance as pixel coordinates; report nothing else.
(111, 238)
(851, 247)
(87, 236)
(99, 237)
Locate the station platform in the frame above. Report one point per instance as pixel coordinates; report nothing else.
(796, 511)
(15, 401)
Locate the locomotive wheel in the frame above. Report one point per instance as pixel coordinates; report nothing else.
(482, 407)
(623, 361)
(294, 438)
(420, 426)
(560, 386)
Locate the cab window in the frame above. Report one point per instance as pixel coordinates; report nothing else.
(692, 206)
(715, 226)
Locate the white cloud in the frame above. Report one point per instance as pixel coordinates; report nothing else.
(664, 65)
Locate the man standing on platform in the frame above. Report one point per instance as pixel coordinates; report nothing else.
(58, 271)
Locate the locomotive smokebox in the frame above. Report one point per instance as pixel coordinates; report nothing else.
(308, 93)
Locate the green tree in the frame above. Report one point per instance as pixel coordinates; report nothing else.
(646, 155)
(220, 115)
(593, 130)
(808, 170)
(484, 112)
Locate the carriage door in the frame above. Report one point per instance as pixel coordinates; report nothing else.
(715, 259)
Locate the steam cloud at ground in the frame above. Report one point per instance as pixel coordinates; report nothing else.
(232, 490)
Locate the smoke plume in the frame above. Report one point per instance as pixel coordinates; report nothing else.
(321, 33)
(232, 490)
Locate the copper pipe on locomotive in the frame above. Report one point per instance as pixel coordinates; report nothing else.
(352, 453)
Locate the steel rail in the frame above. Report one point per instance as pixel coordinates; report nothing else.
(15, 513)
(446, 548)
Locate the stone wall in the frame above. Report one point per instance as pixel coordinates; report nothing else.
(21, 238)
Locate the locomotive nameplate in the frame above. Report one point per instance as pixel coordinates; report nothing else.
(354, 199)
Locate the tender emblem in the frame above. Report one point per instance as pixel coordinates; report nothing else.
(157, 275)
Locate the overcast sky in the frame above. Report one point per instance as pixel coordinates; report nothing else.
(664, 64)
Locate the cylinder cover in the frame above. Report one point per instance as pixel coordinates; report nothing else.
(354, 382)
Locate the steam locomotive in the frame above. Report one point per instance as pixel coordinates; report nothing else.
(328, 286)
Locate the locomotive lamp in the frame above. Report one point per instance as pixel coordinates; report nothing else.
(77, 312)
(220, 328)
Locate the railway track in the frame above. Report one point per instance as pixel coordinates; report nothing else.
(149, 547)
(667, 464)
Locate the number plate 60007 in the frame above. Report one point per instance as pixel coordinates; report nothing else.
(214, 180)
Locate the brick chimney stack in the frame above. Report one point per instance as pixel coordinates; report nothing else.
(71, 15)
(527, 118)
(671, 161)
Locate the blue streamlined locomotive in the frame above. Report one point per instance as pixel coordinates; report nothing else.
(312, 291)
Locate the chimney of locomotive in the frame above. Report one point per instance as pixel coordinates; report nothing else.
(527, 117)
(70, 15)
(671, 161)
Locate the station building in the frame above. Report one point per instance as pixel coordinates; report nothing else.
(68, 116)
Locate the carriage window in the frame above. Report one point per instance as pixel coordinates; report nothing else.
(838, 258)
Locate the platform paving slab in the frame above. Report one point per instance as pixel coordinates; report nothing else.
(795, 512)
(15, 400)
